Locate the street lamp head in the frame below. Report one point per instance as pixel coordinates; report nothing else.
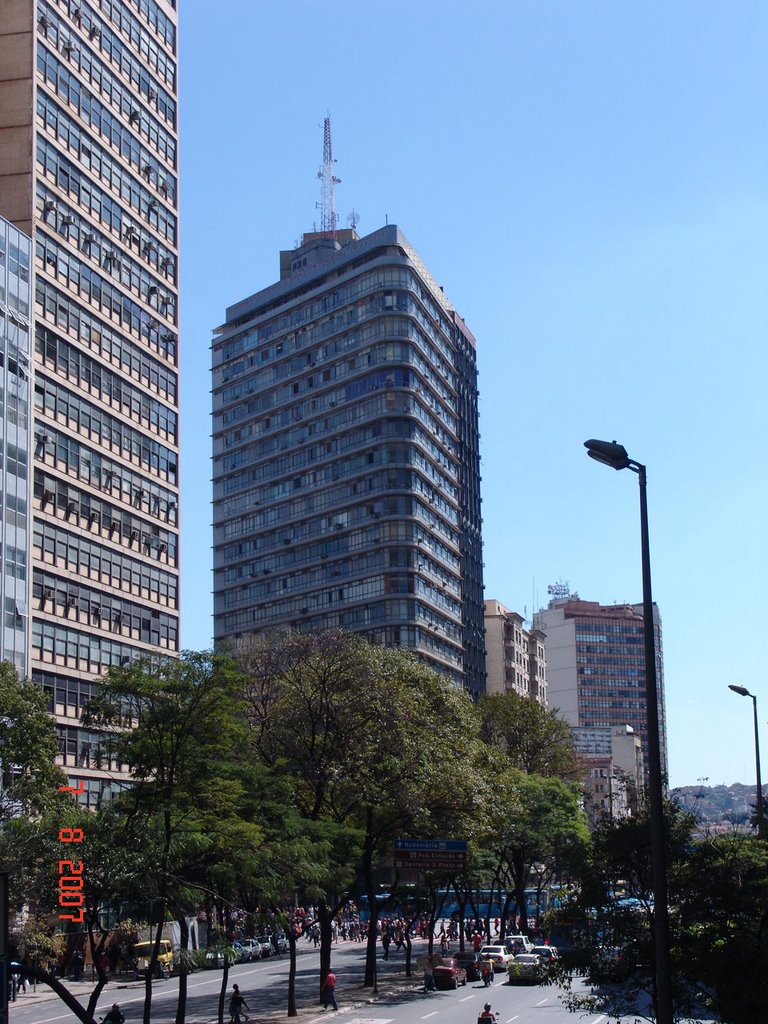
(742, 690)
(608, 452)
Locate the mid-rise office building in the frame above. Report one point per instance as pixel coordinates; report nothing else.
(88, 144)
(596, 666)
(345, 461)
(515, 656)
(615, 770)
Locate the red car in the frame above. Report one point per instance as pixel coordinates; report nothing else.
(449, 973)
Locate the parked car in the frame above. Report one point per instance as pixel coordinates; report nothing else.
(253, 948)
(449, 973)
(242, 953)
(280, 942)
(526, 967)
(472, 964)
(498, 955)
(266, 946)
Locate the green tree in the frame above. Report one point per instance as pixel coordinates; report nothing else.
(369, 734)
(539, 821)
(720, 925)
(177, 725)
(718, 899)
(533, 739)
(29, 777)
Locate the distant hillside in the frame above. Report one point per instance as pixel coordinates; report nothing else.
(714, 805)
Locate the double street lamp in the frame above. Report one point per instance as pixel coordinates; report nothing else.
(615, 455)
(744, 692)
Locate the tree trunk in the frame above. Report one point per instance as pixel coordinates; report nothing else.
(223, 992)
(100, 974)
(432, 919)
(181, 1004)
(370, 890)
(505, 915)
(151, 966)
(38, 974)
(462, 912)
(522, 870)
(324, 917)
(292, 1011)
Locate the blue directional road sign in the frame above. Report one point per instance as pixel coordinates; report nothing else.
(431, 854)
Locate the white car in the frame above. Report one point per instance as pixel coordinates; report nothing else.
(519, 943)
(547, 953)
(253, 948)
(498, 955)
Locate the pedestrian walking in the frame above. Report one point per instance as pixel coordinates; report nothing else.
(236, 1004)
(429, 978)
(115, 1016)
(329, 991)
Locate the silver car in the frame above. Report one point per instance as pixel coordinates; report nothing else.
(526, 967)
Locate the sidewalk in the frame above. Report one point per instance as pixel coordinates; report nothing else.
(392, 986)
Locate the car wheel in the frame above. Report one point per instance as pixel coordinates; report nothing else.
(455, 983)
(465, 981)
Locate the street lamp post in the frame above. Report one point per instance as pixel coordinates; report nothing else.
(744, 692)
(615, 455)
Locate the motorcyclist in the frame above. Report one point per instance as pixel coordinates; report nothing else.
(486, 972)
(488, 1013)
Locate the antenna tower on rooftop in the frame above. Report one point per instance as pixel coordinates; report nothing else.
(328, 180)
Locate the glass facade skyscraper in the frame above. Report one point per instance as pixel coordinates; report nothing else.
(346, 462)
(15, 340)
(88, 133)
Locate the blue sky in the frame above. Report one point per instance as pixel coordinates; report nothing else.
(587, 181)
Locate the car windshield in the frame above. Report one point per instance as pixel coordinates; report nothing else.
(493, 949)
(526, 958)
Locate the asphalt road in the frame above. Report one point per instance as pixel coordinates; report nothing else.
(264, 985)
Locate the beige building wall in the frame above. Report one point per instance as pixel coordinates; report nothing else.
(16, 112)
(515, 657)
(562, 683)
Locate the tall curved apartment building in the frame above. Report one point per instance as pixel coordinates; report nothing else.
(345, 456)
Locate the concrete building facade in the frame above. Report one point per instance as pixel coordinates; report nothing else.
(596, 667)
(88, 169)
(616, 769)
(515, 656)
(346, 458)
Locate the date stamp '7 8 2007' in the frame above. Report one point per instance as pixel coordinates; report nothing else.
(71, 871)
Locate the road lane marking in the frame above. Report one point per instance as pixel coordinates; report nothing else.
(428, 1015)
(47, 1019)
(465, 998)
(541, 1002)
(512, 1018)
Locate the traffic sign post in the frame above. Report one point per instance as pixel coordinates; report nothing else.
(431, 854)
